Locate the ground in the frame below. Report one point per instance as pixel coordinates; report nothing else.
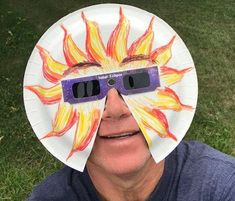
(207, 28)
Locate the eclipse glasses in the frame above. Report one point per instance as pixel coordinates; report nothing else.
(96, 87)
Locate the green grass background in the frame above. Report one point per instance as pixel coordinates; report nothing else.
(206, 26)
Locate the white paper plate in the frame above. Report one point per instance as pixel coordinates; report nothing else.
(107, 17)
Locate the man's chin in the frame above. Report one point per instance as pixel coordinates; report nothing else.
(127, 166)
(120, 156)
(122, 164)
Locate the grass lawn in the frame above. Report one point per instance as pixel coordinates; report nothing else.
(206, 26)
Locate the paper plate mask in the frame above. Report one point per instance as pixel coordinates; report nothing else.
(88, 52)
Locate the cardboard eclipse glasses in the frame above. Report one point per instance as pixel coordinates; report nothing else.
(96, 87)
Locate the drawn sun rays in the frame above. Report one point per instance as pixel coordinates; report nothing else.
(100, 58)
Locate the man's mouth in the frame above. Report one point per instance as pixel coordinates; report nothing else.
(120, 135)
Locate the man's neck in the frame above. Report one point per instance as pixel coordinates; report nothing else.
(135, 186)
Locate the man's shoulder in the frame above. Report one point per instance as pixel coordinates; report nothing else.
(203, 167)
(199, 153)
(53, 187)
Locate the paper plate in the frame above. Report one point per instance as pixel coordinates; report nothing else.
(115, 37)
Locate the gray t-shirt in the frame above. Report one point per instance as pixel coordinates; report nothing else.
(193, 172)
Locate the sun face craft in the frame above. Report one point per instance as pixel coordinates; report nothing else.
(148, 108)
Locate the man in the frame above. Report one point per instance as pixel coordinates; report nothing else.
(122, 169)
(120, 166)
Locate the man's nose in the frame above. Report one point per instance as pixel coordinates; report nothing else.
(115, 107)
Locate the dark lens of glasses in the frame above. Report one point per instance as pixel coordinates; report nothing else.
(86, 89)
(136, 81)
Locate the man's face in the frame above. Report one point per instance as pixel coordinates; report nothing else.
(120, 147)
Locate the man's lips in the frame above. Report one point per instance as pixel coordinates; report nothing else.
(119, 135)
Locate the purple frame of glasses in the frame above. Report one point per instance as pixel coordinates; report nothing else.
(105, 86)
